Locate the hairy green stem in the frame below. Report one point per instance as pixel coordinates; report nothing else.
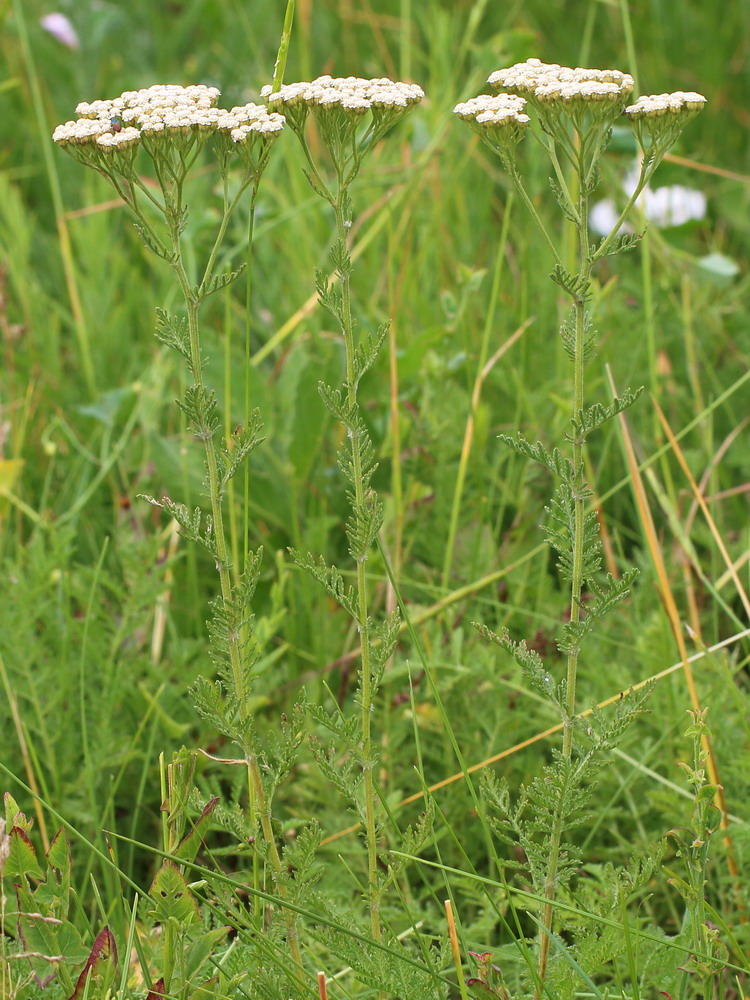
(364, 628)
(576, 586)
(252, 796)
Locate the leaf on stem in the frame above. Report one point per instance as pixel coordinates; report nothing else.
(606, 599)
(568, 336)
(363, 526)
(530, 663)
(338, 405)
(577, 286)
(154, 244)
(554, 460)
(173, 332)
(331, 579)
(190, 523)
(620, 244)
(344, 773)
(594, 416)
(199, 406)
(365, 355)
(217, 282)
(329, 296)
(387, 632)
(560, 531)
(562, 200)
(244, 441)
(341, 259)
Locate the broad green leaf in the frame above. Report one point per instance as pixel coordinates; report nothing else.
(58, 855)
(199, 950)
(171, 896)
(14, 816)
(22, 856)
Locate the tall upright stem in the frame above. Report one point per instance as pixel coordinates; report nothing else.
(364, 628)
(255, 780)
(576, 585)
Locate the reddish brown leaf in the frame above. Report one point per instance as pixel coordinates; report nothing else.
(156, 991)
(103, 953)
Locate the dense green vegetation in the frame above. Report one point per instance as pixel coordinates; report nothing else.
(104, 606)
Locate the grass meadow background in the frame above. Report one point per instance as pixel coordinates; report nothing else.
(103, 608)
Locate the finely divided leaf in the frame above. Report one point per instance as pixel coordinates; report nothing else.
(173, 332)
(331, 579)
(594, 416)
(607, 598)
(244, 440)
(218, 281)
(554, 460)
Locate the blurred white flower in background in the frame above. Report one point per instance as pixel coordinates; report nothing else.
(664, 206)
(60, 28)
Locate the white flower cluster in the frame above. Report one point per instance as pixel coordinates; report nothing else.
(163, 109)
(586, 90)
(118, 140)
(550, 81)
(658, 105)
(247, 120)
(120, 122)
(80, 132)
(158, 100)
(350, 93)
(154, 110)
(486, 110)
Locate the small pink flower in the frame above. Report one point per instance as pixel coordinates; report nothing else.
(60, 28)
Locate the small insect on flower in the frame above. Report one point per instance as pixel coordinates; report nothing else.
(116, 124)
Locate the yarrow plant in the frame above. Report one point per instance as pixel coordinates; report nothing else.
(351, 115)
(172, 125)
(571, 112)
